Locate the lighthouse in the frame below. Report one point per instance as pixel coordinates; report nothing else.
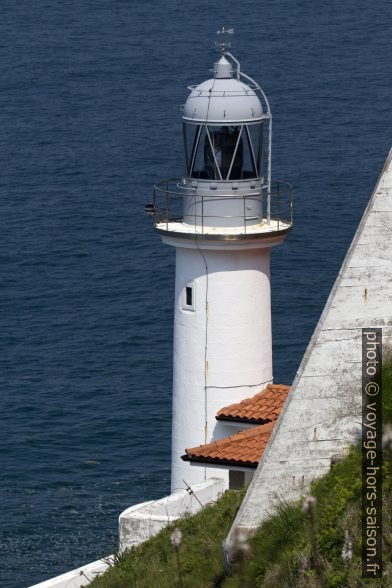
(222, 216)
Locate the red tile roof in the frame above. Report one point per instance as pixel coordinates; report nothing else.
(243, 449)
(262, 408)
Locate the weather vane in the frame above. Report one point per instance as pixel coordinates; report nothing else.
(223, 44)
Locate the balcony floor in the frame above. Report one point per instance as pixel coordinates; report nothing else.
(252, 231)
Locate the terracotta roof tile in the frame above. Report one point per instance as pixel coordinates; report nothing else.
(242, 449)
(262, 408)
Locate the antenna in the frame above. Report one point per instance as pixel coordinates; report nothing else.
(223, 44)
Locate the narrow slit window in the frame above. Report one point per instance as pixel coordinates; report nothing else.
(188, 297)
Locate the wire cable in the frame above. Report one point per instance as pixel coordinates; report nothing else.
(206, 310)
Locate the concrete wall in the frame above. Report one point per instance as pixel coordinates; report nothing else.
(322, 416)
(142, 521)
(79, 577)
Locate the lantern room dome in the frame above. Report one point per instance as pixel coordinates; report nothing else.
(222, 101)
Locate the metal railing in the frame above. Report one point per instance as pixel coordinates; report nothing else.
(169, 195)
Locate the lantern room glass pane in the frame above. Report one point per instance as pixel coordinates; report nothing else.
(197, 168)
(249, 165)
(223, 152)
(218, 153)
(256, 137)
(223, 149)
(191, 133)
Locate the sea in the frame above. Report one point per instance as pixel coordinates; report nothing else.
(90, 96)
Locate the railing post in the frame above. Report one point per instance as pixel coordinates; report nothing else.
(202, 215)
(244, 216)
(195, 212)
(269, 168)
(167, 206)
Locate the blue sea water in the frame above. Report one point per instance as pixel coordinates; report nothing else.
(89, 119)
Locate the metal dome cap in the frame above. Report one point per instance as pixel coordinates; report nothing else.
(222, 101)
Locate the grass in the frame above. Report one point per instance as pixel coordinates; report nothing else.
(280, 552)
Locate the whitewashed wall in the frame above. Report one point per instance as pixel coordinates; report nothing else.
(222, 348)
(323, 413)
(79, 577)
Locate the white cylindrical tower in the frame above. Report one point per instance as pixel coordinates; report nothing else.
(222, 216)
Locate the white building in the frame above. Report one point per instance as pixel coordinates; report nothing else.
(223, 216)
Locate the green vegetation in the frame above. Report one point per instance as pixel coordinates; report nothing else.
(281, 553)
(292, 549)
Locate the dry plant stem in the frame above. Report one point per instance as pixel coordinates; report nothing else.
(318, 565)
(180, 581)
(242, 570)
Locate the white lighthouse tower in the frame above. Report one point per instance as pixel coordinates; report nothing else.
(223, 216)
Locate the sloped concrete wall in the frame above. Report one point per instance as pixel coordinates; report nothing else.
(323, 413)
(79, 577)
(142, 521)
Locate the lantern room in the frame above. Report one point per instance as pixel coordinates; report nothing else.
(223, 129)
(226, 190)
